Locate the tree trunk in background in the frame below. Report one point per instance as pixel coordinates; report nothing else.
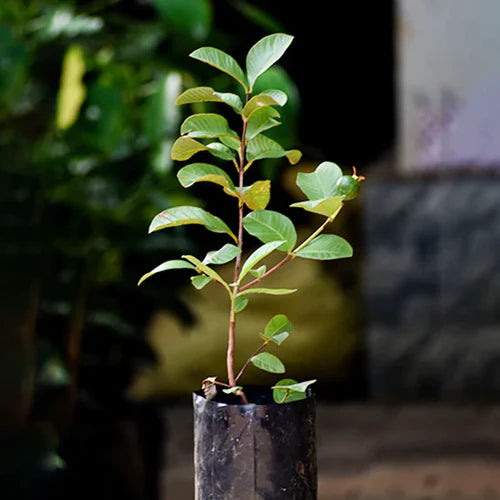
(17, 356)
(20, 270)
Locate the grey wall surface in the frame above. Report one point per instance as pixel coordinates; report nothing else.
(432, 287)
(448, 81)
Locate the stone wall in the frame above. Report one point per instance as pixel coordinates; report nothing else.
(432, 287)
(448, 76)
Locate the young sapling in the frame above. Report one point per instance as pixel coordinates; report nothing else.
(326, 190)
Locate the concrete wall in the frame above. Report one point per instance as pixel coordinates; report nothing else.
(448, 81)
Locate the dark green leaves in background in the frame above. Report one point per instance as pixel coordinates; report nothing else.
(191, 18)
(87, 103)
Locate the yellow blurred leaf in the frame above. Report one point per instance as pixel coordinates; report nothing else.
(71, 91)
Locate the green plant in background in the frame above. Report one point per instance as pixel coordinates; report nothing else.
(88, 106)
(326, 190)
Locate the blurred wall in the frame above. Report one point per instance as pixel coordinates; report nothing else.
(431, 214)
(448, 80)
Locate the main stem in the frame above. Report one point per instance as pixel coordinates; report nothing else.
(237, 268)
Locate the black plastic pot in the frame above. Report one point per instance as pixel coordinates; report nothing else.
(258, 451)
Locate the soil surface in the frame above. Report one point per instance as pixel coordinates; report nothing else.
(369, 452)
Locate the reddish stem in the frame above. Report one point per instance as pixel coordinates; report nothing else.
(247, 362)
(230, 350)
(237, 269)
(267, 273)
(289, 256)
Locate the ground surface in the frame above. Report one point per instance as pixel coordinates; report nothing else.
(368, 452)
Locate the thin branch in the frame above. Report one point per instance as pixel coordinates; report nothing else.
(248, 165)
(216, 382)
(318, 231)
(291, 255)
(267, 273)
(247, 362)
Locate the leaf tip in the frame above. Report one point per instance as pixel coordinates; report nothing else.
(151, 228)
(195, 53)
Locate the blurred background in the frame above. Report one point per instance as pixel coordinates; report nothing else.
(96, 374)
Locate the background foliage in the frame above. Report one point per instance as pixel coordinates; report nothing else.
(86, 107)
(87, 91)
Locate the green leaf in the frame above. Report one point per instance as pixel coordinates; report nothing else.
(161, 117)
(326, 247)
(204, 172)
(232, 100)
(268, 291)
(258, 16)
(15, 63)
(285, 391)
(263, 119)
(268, 362)
(277, 325)
(232, 390)
(200, 281)
(222, 61)
(220, 151)
(191, 18)
(240, 303)
(256, 256)
(321, 183)
(230, 142)
(272, 97)
(222, 256)
(265, 53)
(293, 156)
(185, 147)
(206, 126)
(208, 94)
(296, 386)
(169, 264)
(277, 78)
(284, 395)
(257, 196)
(327, 206)
(179, 216)
(259, 271)
(268, 226)
(278, 329)
(262, 147)
(197, 94)
(203, 268)
(279, 338)
(105, 129)
(72, 89)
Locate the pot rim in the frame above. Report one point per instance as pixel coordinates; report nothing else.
(262, 391)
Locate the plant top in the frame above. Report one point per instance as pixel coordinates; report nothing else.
(326, 189)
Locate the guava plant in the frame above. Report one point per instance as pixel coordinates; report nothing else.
(326, 190)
